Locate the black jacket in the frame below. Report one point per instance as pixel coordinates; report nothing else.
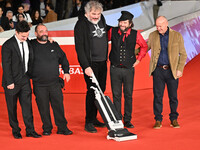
(12, 62)
(82, 41)
(5, 23)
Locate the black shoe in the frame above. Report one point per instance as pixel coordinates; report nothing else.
(89, 127)
(17, 135)
(128, 125)
(33, 134)
(46, 133)
(65, 132)
(97, 123)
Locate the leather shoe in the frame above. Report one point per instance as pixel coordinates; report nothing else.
(65, 132)
(17, 135)
(89, 127)
(46, 133)
(157, 125)
(33, 134)
(175, 124)
(128, 125)
(97, 123)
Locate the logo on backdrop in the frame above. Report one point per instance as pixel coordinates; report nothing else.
(74, 70)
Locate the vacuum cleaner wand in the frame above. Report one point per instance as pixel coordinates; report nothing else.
(110, 116)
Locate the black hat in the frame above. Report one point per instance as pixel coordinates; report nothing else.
(126, 16)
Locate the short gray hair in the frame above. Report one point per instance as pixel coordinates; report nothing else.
(9, 11)
(93, 4)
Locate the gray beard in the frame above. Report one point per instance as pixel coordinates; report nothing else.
(43, 38)
(96, 22)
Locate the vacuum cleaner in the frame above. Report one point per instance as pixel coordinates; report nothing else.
(116, 130)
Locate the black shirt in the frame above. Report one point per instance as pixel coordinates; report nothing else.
(99, 41)
(47, 58)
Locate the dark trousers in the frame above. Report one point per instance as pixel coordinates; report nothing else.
(122, 77)
(23, 92)
(100, 71)
(46, 95)
(160, 78)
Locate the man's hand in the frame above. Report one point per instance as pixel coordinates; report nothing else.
(11, 86)
(88, 71)
(66, 77)
(136, 63)
(50, 39)
(179, 74)
(11, 25)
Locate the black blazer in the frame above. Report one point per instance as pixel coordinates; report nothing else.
(12, 62)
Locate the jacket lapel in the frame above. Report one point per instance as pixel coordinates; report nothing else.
(171, 38)
(157, 39)
(16, 46)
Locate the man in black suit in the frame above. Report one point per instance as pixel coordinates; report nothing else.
(17, 56)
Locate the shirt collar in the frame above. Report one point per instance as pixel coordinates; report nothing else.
(128, 32)
(166, 33)
(18, 41)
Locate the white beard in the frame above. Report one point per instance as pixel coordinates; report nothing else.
(92, 21)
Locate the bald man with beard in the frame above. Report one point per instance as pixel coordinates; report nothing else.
(168, 57)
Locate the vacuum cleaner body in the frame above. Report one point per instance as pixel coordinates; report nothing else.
(110, 116)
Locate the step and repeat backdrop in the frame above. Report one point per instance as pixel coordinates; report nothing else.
(190, 30)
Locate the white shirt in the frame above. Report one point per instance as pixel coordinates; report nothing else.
(42, 9)
(27, 18)
(26, 51)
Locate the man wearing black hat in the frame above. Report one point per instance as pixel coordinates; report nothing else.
(123, 60)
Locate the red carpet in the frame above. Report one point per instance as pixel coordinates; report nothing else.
(166, 138)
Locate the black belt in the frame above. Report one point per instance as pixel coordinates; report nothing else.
(165, 67)
(120, 66)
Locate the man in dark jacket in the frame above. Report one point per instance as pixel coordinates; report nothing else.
(17, 58)
(45, 75)
(92, 47)
(123, 61)
(78, 8)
